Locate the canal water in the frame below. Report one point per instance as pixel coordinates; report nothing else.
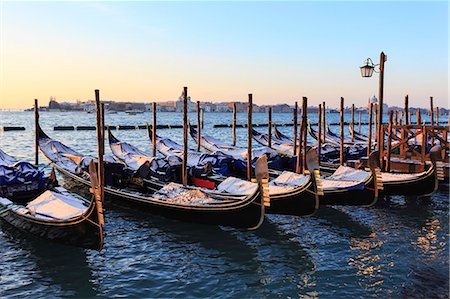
(397, 249)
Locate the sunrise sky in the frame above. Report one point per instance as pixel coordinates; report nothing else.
(147, 51)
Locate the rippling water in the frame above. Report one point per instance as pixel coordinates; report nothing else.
(399, 248)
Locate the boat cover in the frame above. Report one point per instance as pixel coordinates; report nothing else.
(50, 205)
(346, 178)
(400, 177)
(285, 182)
(13, 173)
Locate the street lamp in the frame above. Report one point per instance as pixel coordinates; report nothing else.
(366, 72)
(367, 69)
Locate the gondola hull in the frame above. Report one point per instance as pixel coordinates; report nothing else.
(300, 202)
(421, 186)
(82, 231)
(248, 214)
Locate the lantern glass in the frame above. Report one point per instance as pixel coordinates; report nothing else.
(367, 71)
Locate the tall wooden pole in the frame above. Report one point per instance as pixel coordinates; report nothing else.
(341, 123)
(36, 133)
(233, 126)
(383, 58)
(389, 145)
(295, 126)
(353, 122)
(185, 137)
(269, 127)
(431, 112)
(375, 123)
(407, 118)
(418, 117)
(304, 131)
(100, 128)
(249, 136)
(359, 122)
(319, 132)
(395, 117)
(154, 129)
(369, 135)
(324, 123)
(437, 116)
(199, 126)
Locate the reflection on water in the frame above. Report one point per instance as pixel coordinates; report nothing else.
(398, 248)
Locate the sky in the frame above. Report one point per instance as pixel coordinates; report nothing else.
(222, 51)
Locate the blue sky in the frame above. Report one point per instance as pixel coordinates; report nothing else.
(279, 51)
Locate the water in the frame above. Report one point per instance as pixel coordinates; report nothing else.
(399, 248)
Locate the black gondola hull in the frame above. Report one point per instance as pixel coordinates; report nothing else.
(422, 186)
(342, 197)
(248, 214)
(302, 202)
(83, 231)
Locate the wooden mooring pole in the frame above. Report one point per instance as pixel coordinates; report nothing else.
(353, 122)
(36, 133)
(185, 137)
(304, 131)
(199, 126)
(431, 112)
(341, 154)
(249, 136)
(100, 129)
(269, 127)
(295, 126)
(369, 135)
(437, 116)
(323, 122)
(154, 129)
(406, 111)
(389, 145)
(233, 126)
(418, 116)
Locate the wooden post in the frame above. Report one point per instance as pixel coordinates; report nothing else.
(154, 129)
(304, 131)
(383, 58)
(400, 122)
(324, 123)
(437, 116)
(185, 137)
(319, 132)
(353, 122)
(431, 112)
(395, 117)
(418, 116)
(407, 118)
(199, 125)
(369, 135)
(249, 137)
(269, 127)
(424, 144)
(295, 126)
(233, 126)
(100, 141)
(359, 123)
(389, 145)
(36, 133)
(341, 123)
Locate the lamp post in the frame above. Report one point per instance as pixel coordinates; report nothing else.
(366, 72)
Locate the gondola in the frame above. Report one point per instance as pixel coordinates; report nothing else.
(290, 193)
(348, 186)
(420, 184)
(357, 136)
(171, 200)
(37, 205)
